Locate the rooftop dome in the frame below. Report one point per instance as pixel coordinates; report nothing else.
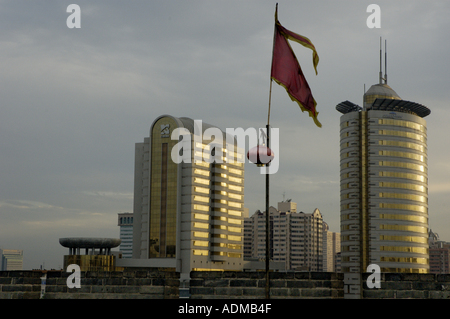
(382, 97)
(380, 91)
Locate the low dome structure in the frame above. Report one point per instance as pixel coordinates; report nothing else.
(76, 243)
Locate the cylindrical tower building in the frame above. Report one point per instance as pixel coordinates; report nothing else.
(384, 183)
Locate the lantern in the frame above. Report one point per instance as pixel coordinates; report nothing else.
(260, 155)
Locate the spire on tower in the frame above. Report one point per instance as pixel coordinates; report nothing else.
(381, 78)
(385, 61)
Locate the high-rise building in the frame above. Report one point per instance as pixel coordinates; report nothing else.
(331, 247)
(125, 222)
(384, 183)
(295, 238)
(439, 254)
(11, 259)
(188, 197)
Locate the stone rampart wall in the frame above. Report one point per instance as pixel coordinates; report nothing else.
(409, 286)
(127, 284)
(149, 283)
(251, 285)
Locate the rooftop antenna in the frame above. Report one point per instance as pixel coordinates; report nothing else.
(385, 61)
(381, 72)
(381, 63)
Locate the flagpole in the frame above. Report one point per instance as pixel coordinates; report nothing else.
(267, 288)
(270, 98)
(272, 77)
(273, 46)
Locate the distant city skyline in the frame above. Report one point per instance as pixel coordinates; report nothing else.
(74, 101)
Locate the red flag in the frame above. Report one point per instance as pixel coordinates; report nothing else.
(286, 70)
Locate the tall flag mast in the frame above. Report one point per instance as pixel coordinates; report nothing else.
(286, 72)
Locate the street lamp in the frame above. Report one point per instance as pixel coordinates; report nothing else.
(262, 155)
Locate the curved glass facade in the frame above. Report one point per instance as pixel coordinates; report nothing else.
(384, 191)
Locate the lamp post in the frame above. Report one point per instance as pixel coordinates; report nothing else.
(262, 155)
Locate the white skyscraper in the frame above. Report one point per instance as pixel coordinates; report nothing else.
(11, 259)
(331, 246)
(125, 222)
(296, 237)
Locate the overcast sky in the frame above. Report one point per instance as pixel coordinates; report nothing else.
(75, 101)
